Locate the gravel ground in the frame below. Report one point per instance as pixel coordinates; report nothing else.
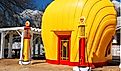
(41, 65)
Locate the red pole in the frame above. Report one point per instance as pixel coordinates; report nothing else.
(82, 51)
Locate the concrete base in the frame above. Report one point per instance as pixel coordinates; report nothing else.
(20, 62)
(81, 68)
(24, 63)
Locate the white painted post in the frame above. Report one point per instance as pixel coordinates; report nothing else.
(10, 45)
(120, 56)
(31, 44)
(2, 44)
(22, 39)
(120, 49)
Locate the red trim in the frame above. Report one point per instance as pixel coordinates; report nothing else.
(93, 65)
(74, 64)
(59, 33)
(59, 50)
(52, 61)
(86, 64)
(64, 62)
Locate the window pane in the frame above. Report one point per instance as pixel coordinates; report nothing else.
(64, 49)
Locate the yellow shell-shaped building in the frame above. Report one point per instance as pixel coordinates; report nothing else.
(66, 21)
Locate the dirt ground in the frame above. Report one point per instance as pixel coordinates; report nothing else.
(41, 65)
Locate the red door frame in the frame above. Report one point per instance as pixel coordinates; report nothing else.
(64, 62)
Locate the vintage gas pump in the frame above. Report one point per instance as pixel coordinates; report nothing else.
(26, 48)
(82, 43)
(82, 47)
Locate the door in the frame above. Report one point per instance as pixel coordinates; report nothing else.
(64, 44)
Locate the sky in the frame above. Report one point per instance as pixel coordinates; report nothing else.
(118, 0)
(41, 4)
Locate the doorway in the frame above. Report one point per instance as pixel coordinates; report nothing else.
(64, 45)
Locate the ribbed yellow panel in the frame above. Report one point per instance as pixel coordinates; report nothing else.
(64, 15)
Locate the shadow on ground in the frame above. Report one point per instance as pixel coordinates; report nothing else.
(114, 63)
(38, 62)
(111, 66)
